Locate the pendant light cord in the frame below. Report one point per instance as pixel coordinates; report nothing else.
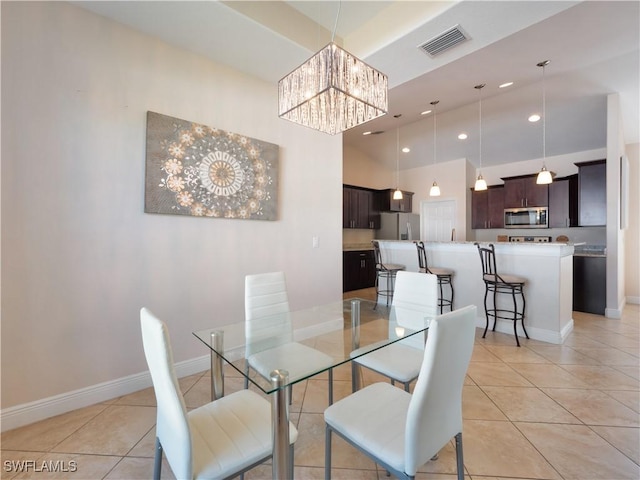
(480, 132)
(479, 88)
(435, 134)
(435, 129)
(335, 26)
(398, 158)
(544, 116)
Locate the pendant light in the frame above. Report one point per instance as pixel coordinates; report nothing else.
(333, 91)
(435, 189)
(544, 176)
(481, 184)
(397, 195)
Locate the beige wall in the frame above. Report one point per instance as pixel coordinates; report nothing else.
(632, 233)
(359, 170)
(79, 256)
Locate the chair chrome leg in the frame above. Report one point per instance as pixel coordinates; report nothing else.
(459, 459)
(157, 461)
(330, 386)
(327, 453)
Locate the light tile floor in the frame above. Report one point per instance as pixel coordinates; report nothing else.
(541, 411)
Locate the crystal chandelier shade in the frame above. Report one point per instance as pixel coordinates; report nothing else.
(332, 92)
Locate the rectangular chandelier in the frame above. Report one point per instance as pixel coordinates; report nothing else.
(332, 92)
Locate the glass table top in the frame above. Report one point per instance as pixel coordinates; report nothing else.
(308, 342)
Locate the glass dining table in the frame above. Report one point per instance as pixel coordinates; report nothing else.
(335, 333)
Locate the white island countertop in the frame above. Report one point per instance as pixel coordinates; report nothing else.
(548, 268)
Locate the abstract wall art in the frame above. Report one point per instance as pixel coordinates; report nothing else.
(196, 170)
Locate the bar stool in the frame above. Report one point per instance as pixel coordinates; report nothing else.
(500, 284)
(386, 272)
(445, 277)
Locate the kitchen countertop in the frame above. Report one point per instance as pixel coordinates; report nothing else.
(590, 251)
(351, 247)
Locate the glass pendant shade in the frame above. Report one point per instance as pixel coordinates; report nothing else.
(397, 194)
(481, 184)
(435, 190)
(544, 177)
(332, 92)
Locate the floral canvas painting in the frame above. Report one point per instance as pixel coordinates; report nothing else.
(193, 169)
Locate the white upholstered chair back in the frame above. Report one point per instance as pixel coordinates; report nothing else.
(415, 297)
(435, 410)
(172, 427)
(266, 308)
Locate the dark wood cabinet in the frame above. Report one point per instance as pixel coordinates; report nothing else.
(563, 202)
(487, 208)
(359, 208)
(386, 203)
(589, 284)
(592, 193)
(358, 270)
(523, 191)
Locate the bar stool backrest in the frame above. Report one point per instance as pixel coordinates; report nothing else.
(378, 255)
(422, 257)
(488, 259)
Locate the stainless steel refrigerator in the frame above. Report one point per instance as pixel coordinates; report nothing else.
(399, 226)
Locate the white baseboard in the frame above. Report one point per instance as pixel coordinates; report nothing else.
(633, 300)
(24, 414)
(541, 334)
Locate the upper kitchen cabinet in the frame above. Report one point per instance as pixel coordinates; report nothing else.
(487, 208)
(386, 203)
(359, 208)
(592, 193)
(563, 202)
(523, 191)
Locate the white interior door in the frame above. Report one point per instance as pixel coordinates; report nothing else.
(438, 220)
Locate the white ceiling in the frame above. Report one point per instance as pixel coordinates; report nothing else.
(594, 49)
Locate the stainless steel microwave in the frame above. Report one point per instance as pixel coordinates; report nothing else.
(531, 217)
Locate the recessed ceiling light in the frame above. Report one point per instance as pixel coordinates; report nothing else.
(534, 118)
(505, 85)
(426, 112)
(462, 136)
(366, 133)
(406, 149)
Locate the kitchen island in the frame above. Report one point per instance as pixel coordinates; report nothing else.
(548, 268)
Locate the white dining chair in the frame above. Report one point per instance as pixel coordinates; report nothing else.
(415, 298)
(219, 440)
(269, 334)
(402, 431)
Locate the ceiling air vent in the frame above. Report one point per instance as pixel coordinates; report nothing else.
(444, 41)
